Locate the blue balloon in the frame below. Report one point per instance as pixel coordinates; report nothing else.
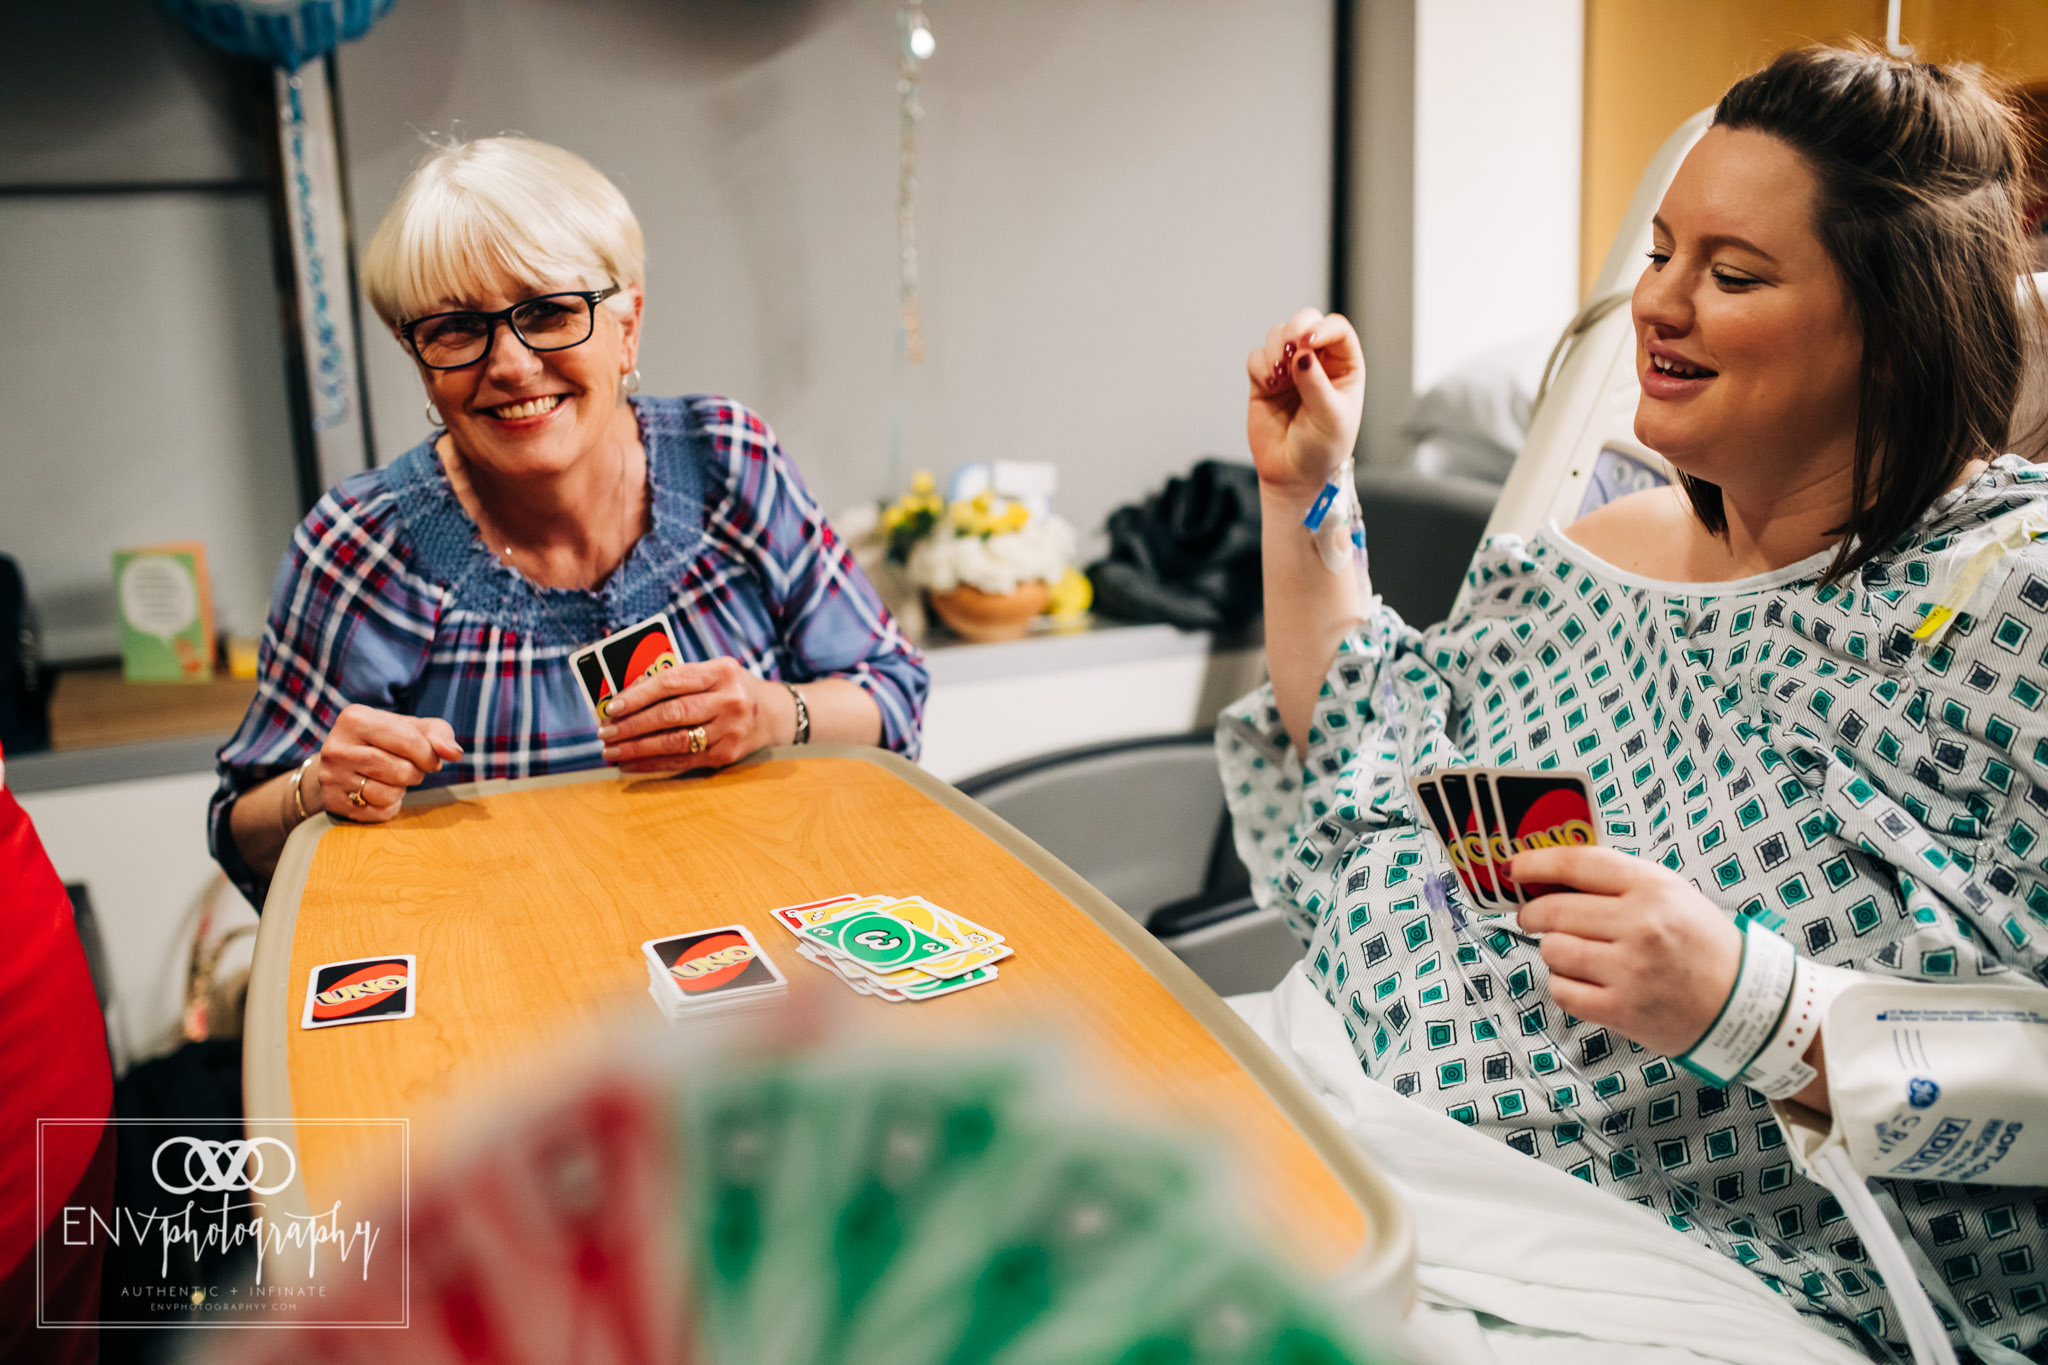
(285, 33)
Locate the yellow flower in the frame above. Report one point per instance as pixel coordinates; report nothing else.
(1072, 595)
(922, 482)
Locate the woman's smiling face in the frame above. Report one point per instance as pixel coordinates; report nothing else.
(522, 413)
(1748, 350)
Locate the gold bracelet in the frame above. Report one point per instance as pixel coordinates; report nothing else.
(299, 777)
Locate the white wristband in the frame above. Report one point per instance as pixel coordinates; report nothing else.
(1780, 1070)
(1751, 1014)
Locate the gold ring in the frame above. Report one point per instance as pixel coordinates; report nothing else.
(355, 798)
(699, 741)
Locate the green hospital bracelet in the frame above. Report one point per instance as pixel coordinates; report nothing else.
(1750, 1015)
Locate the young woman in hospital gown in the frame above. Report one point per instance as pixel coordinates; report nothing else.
(1828, 345)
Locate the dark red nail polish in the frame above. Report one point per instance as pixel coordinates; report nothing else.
(1288, 351)
(1303, 363)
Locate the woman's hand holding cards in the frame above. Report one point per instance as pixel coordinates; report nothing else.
(695, 715)
(1632, 946)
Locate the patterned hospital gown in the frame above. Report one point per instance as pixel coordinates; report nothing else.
(1792, 750)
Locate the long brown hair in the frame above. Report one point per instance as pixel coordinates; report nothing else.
(1921, 174)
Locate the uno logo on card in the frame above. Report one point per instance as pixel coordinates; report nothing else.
(360, 990)
(1557, 819)
(1470, 855)
(650, 656)
(712, 963)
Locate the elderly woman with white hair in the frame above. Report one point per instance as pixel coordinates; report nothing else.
(423, 620)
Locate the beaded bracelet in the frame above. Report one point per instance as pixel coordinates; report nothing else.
(803, 716)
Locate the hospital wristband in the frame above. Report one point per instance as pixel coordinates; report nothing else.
(1750, 1016)
(1780, 1070)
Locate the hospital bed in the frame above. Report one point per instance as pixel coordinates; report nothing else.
(1581, 450)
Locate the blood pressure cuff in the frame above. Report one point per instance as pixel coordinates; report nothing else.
(1946, 1083)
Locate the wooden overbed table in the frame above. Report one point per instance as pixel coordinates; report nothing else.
(525, 903)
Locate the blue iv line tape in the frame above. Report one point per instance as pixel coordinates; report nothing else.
(1320, 508)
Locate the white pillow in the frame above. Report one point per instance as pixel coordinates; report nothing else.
(1484, 405)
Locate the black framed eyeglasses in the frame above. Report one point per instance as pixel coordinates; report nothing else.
(549, 322)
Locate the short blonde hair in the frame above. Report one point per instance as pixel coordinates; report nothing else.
(474, 214)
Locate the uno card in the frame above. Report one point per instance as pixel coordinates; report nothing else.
(860, 981)
(1429, 796)
(1431, 803)
(712, 964)
(961, 928)
(638, 652)
(1462, 806)
(839, 969)
(597, 689)
(973, 945)
(961, 963)
(880, 942)
(947, 985)
(359, 991)
(797, 918)
(1544, 810)
(1487, 805)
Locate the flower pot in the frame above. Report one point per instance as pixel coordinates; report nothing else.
(983, 616)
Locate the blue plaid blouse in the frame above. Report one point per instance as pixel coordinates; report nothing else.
(389, 598)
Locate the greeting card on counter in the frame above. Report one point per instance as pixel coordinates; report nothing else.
(166, 605)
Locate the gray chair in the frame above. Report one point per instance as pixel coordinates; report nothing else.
(1143, 821)
(1420, 532)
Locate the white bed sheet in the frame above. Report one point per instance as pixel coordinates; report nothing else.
(1519, 1263)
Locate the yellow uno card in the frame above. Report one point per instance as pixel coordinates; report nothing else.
(979, 947)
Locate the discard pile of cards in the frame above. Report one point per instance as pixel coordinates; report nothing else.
(895, 948)
(728, 1210)
(616, 662)
(1485, 816)
(712, 972)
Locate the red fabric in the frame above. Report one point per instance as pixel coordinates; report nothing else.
(53, 1064)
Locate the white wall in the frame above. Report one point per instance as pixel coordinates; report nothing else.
(148, 406)
(1466, 216)
(1118, 198)
(1497, 147)
(141, 368)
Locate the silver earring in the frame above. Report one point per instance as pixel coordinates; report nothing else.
(631, 383)
(434, 415)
